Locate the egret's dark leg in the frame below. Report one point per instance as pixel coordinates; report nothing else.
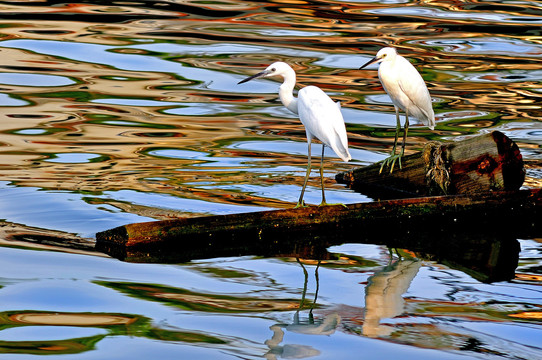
(397, 130)
(323, 203)
(393, 157)
(398, 157)
(405, 134)
(300, 203)
(322, 176)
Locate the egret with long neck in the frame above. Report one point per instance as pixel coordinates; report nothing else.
(408, 92)
(321, 117)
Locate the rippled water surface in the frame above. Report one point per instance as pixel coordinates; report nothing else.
(126, 111)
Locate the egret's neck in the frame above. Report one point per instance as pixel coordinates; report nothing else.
(286, 92)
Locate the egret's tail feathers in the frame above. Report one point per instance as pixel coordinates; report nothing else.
(341, 150)
(427, 118)
(343, 154)
(432, 123)
(339, 144)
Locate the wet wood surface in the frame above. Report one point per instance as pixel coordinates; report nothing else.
(489, 162)
(402, 223)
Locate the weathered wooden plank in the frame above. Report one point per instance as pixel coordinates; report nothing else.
(17, 235)
(490, 162)
(400, 223)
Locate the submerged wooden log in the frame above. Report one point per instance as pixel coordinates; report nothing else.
(490, 162)
(406, 223)
(17, 235)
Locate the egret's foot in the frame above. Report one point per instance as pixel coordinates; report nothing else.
(391, 162)
(323, 203)
(300, 204)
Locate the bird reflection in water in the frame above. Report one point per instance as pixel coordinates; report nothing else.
(327, 326)
(383, 295)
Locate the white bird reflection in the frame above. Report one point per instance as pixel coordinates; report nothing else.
(327, 326)
(383, 295)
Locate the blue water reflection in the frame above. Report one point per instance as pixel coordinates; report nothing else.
(200, 304)
(33, 80)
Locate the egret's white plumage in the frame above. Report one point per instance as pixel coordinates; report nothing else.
(407, 90)
(321, 117)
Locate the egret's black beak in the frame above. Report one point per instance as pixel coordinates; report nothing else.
(260, 74)
(373, 60)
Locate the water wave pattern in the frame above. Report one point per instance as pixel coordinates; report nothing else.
(117, 112)
(142, 96)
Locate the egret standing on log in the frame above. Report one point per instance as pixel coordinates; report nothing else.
(321, 117)
(407, 91)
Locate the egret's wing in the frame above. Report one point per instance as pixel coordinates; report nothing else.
(322, 118)
(413, 86)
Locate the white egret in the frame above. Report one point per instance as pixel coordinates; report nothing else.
(408, 92)
(321, 117)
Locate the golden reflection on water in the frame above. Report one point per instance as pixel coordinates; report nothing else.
(179, 125)
(70, 319)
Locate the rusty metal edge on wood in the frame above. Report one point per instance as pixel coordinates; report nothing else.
(270, 228)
